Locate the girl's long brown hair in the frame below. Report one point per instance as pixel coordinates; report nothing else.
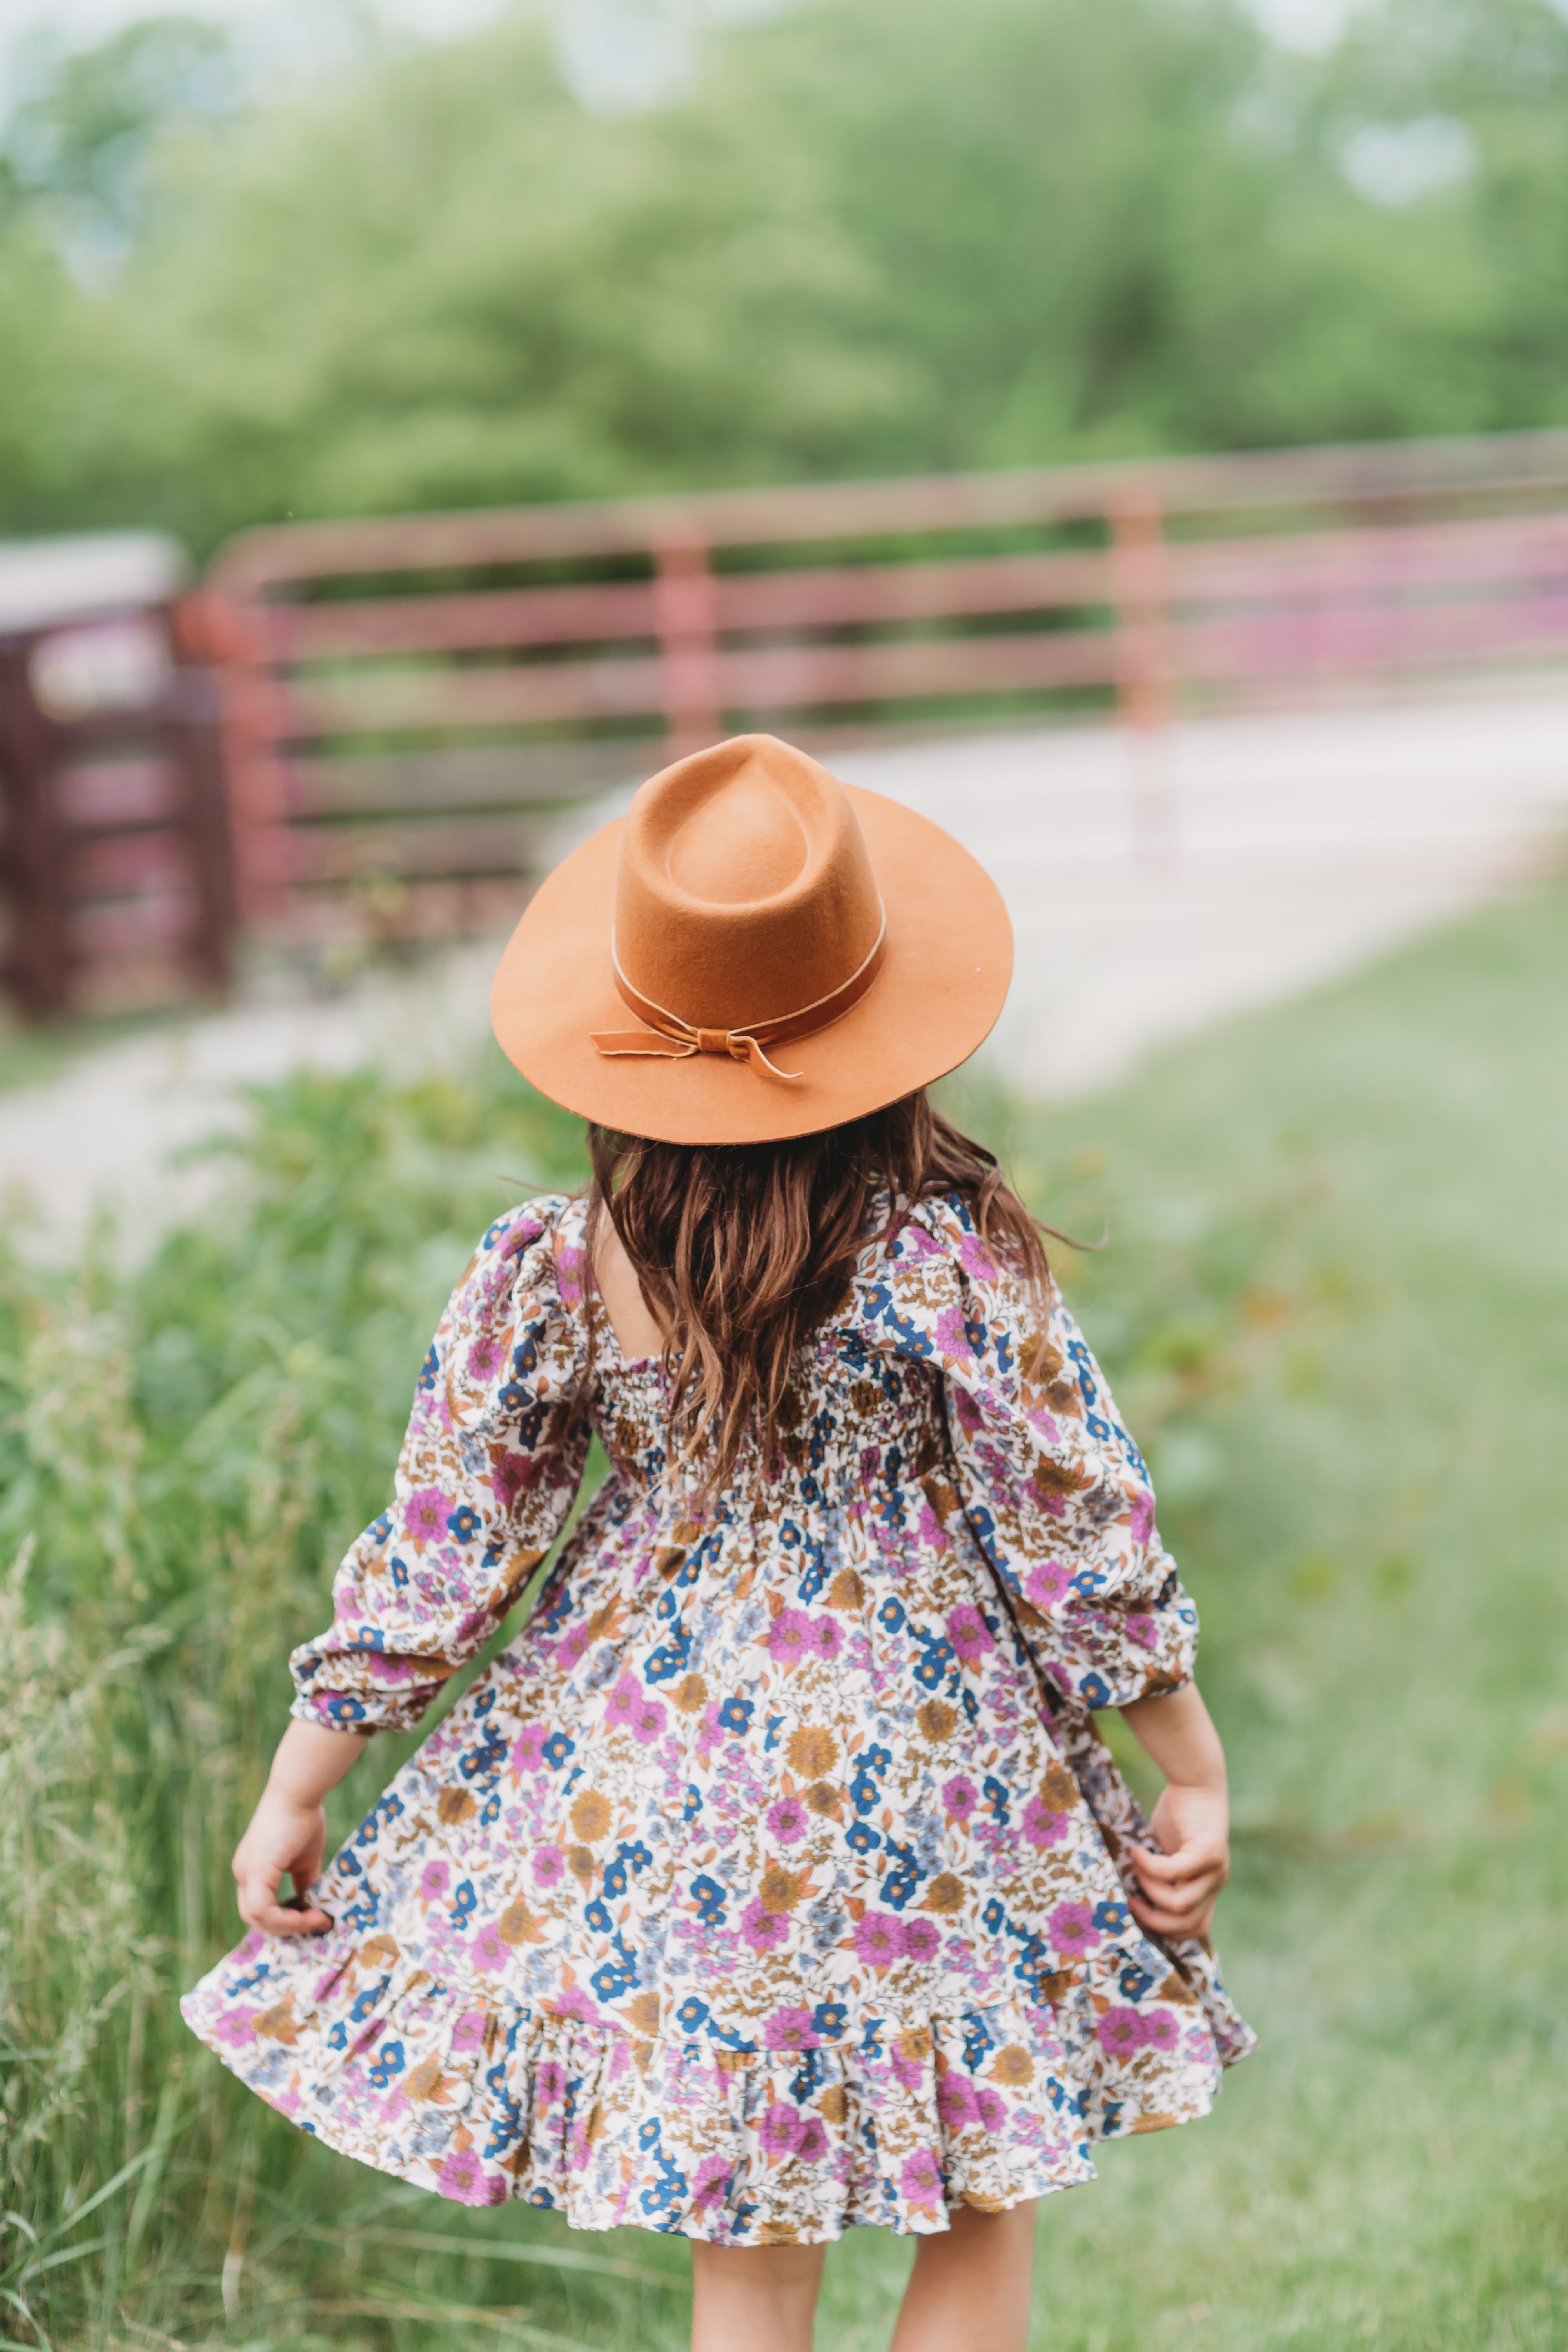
(742, 1249)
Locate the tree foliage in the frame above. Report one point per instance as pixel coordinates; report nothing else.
(866, 235)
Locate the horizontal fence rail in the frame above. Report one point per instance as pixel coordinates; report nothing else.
(411, 703)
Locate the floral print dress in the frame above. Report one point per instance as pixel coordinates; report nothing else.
(773, 1878)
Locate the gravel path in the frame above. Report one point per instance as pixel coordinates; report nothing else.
(1153, 889)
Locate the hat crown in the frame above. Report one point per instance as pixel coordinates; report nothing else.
(744, 889)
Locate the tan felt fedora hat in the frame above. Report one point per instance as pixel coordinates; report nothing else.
(754, 951)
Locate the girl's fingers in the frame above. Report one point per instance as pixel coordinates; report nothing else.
(276, 1918)
(262, 1907)
(1195, 1860)
(1162, 1922)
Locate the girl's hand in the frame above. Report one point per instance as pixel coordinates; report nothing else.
(1181, 1884)
(285, 1834)
(289, 1829)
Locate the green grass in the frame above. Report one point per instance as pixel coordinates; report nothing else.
(1335, 1305)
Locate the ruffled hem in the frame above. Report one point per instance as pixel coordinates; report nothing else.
(482, 2101)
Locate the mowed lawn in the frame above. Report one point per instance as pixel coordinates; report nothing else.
(1334, 1304)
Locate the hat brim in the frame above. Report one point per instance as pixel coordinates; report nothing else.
(943, 983)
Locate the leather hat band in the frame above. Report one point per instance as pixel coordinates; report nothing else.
(673, 1039)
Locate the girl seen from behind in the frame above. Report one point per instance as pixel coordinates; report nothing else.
(776, 1878)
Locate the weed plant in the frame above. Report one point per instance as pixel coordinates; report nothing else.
(1333, 1306)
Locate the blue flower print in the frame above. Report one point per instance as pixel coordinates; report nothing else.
(388, 2063)
(465, 1903)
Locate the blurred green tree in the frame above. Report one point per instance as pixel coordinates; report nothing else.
(863, 236)
(80, 137)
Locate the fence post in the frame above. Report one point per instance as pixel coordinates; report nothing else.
(689, 644)
(235, 640)
(32, 848)
(196, 747)
(1144, 660)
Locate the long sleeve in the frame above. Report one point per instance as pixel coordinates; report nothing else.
(488, 1470)
(1052, 1487)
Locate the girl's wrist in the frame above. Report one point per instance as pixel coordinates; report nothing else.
(312, 1758)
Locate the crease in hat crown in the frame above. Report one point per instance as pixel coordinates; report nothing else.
(745, 891)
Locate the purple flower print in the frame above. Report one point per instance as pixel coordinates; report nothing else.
(572, 1647)
(967, 1413)
(960, 1796)
(1121, 2031)
(1072, 1927)
(952, 1337)
(624, 1705)
(789, 1820)
(955, 2102)
(879, 1940)
(549, 2083)
(1042, 1825)
(779, 2130)
(920, 2179)
(789, 1637)
(570, 1263)
(528, 1749)
(1161, 2030)
(468, 2034)
(990, 2108)
(975, 1258)
(434, 1881)
(921, 1941)
(765, 1930)
(790, 2029)
(575, 2004)
(462, 2176)
(1044, 1585)
(511, 1476)
(1143, 1517)
(648, 1720)
(710, 2181)
(1143, 1631)
(485, 1357)
(425, 1516)
(812, 2145)
(234, 2027)
(824, 1639)
(969, 1633)
(486, 1951)
(549, 1865)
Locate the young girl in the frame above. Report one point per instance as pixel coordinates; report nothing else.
(776, 1878)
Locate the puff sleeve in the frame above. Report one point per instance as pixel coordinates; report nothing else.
(1053, 1488)
(489, 1471)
